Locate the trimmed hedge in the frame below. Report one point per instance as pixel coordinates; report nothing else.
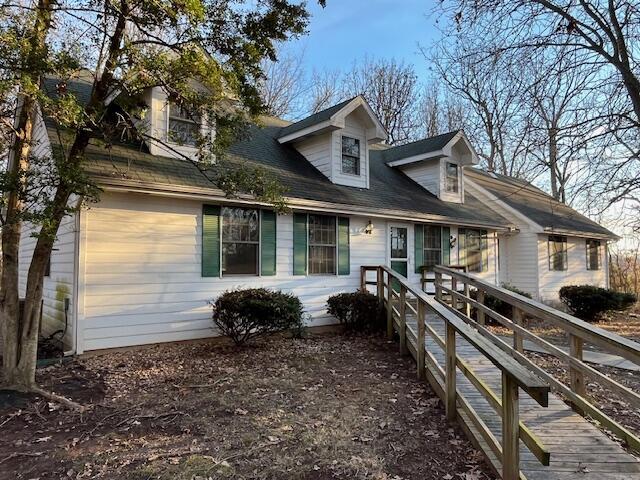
(244, 314)
(358, 312)
(589, 302)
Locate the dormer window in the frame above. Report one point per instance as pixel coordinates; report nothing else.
(452, 177)
(350, 156)
(184, 126)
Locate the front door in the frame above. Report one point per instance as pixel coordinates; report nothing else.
(398, 250)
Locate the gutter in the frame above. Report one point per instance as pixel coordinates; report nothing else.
(578, 233)
(204, 194)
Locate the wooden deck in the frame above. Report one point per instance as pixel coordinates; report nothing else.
(579, 450)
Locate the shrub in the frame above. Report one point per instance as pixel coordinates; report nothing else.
(589, 302)
(358, 312)
(244, 314)
(497, 305)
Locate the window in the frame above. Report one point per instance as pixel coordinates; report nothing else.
(474, 245)
(557, 252)
(350, 156)
(452, 177)
(593, 254)
(322, 245)
(184, 126)
(432, 246)
(240, 241)
(398, 242)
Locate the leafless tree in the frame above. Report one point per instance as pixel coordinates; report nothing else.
(439, 111)
(282, 85)
(392, 90)
(326, 89)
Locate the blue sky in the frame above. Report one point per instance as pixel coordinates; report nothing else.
(347, 30)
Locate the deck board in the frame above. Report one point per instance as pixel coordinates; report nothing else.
(579, 449)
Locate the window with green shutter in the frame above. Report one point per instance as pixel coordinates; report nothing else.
(268, 234)
(418, 242)
(446, 246)
(210, 241)
(344, 261)
(299, 243)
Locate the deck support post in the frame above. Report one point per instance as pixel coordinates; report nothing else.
(402, 333)
(450, 372)
(454, 288)
(389, 307)
(420, 347)
(363, 279)
(481, 316)
(510, 429)
(438, 285)
(467, 305)
(380, 284)
(518, 343)
(577, 376)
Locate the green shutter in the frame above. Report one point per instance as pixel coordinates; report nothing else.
(462, 251)
(446, 246)
(210, 241)
(299, 243)
(344, 263)
(484, 247)
(418, 246)
(268, 243)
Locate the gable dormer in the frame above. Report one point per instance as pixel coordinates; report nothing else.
(174, 129)
(336, 141)
(436, 163)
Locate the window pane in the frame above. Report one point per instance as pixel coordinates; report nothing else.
(322, 244)
(593, 254)
(431, 259)
(239, 258)
(240, 225)
(452, 177)
(398, 242)
(184, 126)
(350, 165)
(432, 237)
(557, 252)
(350, 155)
(473, 250)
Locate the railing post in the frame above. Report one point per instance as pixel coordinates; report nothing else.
(480, 299)
(510, 429)
(420, 347)
(389, 307)
(518, 316)
(380, 284)
(467, 305)
(454, 288)
(450, 372)
(402, 333)
(363, 279)
(438, 284)
(423, 279)
(577, 377)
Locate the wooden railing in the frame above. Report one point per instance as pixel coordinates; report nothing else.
(408, 302)
(579, 332)
(425, 279)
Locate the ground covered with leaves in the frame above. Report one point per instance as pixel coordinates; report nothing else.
(325, 407)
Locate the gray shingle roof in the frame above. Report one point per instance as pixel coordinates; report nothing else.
(535, 204)
(321, 116)
(420, 147)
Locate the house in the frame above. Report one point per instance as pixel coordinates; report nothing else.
(140, 266)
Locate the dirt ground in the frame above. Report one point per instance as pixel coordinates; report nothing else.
(326, 407)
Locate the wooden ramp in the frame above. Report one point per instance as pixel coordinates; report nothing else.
(579, 450)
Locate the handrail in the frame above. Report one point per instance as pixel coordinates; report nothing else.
(514, 374)
(578, 330)
(608, 340)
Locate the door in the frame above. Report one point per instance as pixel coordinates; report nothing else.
(399, 250)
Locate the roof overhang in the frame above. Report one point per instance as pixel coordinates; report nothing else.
(577, 233)
(451, 150)
(375, 131)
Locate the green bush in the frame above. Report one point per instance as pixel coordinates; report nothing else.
(244, 314)
(358, 312)
(589, 302)
(497, 305)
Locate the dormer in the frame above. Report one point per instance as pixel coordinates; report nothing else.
(336, 141)
(175, 128)
(436, 163)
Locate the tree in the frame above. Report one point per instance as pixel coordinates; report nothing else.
(438, 111)
(326, 89)
(205, 54)
(391, 88)
(282, 86)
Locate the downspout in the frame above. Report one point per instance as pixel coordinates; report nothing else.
(76, 269)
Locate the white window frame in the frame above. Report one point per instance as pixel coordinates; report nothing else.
(181, 119)
(598, 244)
(456, 190)
(565, 252)
(425, 249)
(259, 254)
(359, 157)
(335, 255)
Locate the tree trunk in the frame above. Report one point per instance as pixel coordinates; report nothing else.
(20, 344)
(553, 161)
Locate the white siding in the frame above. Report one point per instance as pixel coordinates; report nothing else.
(519, 255)
(426, 174)
(353, 129)
(142, 277)
(317, 150)
(576, 273)
(59, 284)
